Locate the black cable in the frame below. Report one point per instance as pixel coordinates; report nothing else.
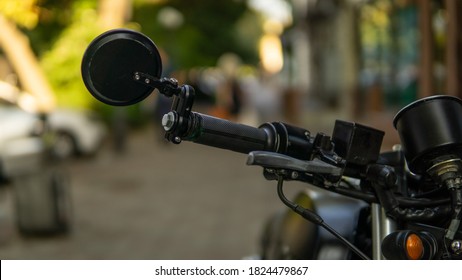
(316, 219)
(421, 202)
(403, 201)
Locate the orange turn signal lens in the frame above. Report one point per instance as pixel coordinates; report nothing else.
(414, 247)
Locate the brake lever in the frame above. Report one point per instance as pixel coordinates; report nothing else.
(280, 161)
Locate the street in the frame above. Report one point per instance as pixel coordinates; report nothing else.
(155, 201)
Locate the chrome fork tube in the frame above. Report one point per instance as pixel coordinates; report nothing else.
(381, 227)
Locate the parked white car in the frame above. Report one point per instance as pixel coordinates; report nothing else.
(76, 132)
(16, 126)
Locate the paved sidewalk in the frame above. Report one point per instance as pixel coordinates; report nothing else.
(156, 201)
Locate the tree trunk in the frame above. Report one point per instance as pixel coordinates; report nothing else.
(426, 86)
(114, 13)
(454, 45)
(18, 51)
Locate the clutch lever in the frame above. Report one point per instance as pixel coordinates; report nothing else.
(284, 162)
(281, 161)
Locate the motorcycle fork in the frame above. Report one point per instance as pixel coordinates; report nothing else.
(381, 227)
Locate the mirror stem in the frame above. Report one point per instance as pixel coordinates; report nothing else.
(166, 86)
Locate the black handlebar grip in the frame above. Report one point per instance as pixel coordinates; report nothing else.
(220, 133)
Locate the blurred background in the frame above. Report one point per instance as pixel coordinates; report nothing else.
(82, 180)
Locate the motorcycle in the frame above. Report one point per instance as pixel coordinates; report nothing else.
(401, 204)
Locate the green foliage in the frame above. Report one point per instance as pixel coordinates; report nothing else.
(209, 29)
(54, 17)
(62, 62)
(22, 12)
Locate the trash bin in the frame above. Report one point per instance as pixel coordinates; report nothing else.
(41, 188)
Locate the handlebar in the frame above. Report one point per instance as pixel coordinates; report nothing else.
(343, 154)
(211, 131)
(220, 133)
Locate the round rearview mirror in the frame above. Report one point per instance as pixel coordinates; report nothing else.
(109, 64)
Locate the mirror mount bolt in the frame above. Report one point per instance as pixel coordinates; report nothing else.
(168, 121)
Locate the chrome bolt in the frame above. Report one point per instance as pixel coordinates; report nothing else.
(456, 247)
(397, 147)
(168, 121)
(147, 81)
(137, 76)
(294, 175)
